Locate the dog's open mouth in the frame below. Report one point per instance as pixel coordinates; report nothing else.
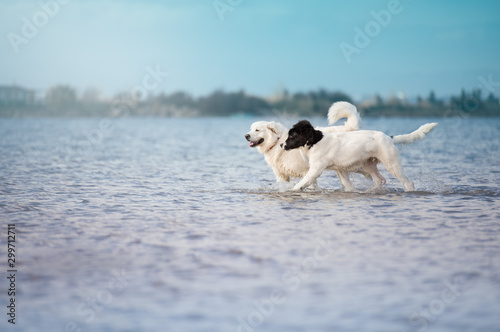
(253, 144)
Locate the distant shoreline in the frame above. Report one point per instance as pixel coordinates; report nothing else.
(26, 115)
(62, 101)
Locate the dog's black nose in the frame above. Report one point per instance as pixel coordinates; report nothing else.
(247, 136)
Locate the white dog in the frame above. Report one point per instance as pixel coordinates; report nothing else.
(267, 137)
(345, 152)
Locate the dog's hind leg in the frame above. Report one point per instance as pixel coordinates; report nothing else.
(364, 173)
(397, 171)
(394, 167)
(371, 167)
(346, 182)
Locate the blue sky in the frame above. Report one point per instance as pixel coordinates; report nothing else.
(260, 46)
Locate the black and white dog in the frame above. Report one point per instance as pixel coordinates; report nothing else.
(345, 152)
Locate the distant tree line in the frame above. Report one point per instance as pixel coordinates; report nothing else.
(63, 100)
(466, 104)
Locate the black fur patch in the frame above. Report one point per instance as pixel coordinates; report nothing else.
(302, 134)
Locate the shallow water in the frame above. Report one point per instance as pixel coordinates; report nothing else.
(177, 225)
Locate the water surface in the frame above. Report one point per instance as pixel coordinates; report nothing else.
(177, 225)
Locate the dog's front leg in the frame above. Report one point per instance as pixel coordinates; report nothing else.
(315, 186)
(311, 176)
(280, 177)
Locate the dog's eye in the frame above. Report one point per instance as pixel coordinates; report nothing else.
(256, 129)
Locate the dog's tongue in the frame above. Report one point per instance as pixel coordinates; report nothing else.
(251, 144)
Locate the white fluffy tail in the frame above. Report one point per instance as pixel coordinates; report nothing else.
(343, 109)
(416, 135)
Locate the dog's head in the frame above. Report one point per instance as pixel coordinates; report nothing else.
(302, 134)
(263, 134)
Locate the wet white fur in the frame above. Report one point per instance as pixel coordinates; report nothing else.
(344, 152)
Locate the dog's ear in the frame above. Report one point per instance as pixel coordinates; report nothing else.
(272, 127)
(316, 137)
(306, 129)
